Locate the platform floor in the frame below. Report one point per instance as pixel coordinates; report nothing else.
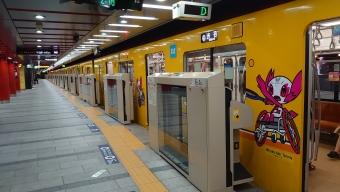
(46, 145)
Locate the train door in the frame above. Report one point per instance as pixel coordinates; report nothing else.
(155, 63)
(99, 71)
(127, 67)
(321, 103)
(76, 84)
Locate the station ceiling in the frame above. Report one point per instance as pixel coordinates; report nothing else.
(64, 21)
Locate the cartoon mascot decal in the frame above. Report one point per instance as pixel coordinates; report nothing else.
(278, 91)
(140, 93)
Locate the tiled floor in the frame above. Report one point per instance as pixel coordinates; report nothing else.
(46, 146)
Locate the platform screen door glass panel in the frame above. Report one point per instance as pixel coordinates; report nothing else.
(197, 61)
(112, 97)
(173, 126)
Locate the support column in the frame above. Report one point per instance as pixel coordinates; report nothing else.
(17, 77)
(4, 82)
(12, 81)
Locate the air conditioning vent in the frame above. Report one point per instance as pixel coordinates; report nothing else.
(236, 30)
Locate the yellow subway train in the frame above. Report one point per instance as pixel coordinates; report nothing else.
(275, 49)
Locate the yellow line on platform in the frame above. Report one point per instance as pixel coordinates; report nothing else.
(123, 143)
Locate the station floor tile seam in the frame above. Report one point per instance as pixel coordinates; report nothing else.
(123, 143)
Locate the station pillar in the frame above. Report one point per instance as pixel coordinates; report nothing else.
(4, 82)
(17, 78)
(12, 81)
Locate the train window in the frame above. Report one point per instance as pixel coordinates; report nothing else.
(109, 67)
(155, 63)
(127, 67)
(197, 61)
(231, 60)
(329, 84)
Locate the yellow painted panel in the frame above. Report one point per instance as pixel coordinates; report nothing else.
(22, 78)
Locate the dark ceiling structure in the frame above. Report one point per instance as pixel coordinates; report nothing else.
(64, 23)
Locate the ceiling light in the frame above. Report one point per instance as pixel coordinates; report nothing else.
(39, 46)
(157, 6)
(124, 25)
(94, 42)
(83, 49)
(105, 36)
(113, 31)
(90, 45)
(39, 40)
(100, 39)
(39, 16)
(39, 31)
(138, 17)
(123, 21)
(103, 33)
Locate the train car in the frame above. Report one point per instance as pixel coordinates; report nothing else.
(272, 54)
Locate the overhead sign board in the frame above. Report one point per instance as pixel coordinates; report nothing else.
(113, 4)
(38, 52)
(209, 36)
(185, 10)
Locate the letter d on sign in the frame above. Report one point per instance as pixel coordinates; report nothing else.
(203, 11)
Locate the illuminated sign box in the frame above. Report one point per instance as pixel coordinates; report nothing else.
(38, 52)
(191, 11)
(113, 4)
(209, 36)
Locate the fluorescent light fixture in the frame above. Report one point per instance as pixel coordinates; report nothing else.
(113, 31)
(90, 45)
(99, 39)
(94, 42)
(138, 17)
(38, 45)
(105, 36)
(39, 31)
(123, 21)
(331, 23)
(39, 16)
(124, 25)
(157, 6)
(39, 40)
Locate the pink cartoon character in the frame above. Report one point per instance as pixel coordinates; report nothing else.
(141, 97)
(278, 91)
